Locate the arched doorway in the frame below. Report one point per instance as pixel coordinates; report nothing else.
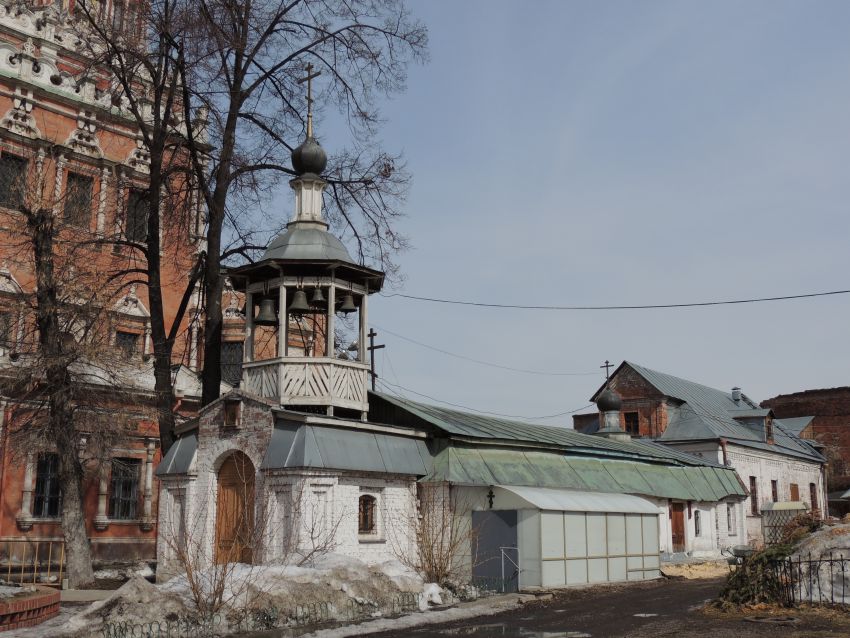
(234, 519)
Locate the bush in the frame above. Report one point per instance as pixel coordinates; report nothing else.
(755, 580)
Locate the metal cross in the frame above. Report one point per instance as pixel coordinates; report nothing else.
(372, 347)
(607, 366)
(309, 81)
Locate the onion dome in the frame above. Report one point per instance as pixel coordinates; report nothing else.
(608, 401)
(309, 157)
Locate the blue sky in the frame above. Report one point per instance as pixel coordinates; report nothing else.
(596, 153)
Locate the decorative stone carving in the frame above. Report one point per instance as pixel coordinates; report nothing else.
(19, 119)
(140, 158)
(232, 310)
(84, 138)
(131, 305)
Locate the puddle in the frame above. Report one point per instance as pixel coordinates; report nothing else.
(645, 615)
(512, 632)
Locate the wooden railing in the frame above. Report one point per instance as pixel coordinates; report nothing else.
(309, 381)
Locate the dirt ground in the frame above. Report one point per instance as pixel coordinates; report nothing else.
(664, 608)
(709, 569)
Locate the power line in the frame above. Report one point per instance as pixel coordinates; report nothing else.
(386, 383)
(486, 363)
(726, 302)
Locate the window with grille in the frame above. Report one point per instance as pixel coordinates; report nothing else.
(774, 491)
(366, 518)
(78, 200)
(231, 362)
(5, 329)
(13, 176)
(127, 343)
(136, 227)
(124, 489)
(697, 523)
(754, 496)
(48, 494)
(632, 423)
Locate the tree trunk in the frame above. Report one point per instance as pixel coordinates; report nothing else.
(58, 386)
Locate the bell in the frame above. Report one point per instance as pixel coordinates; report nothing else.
(318, 298)
(299, 305)
(353, 347)
(347, 305)
(266, 316)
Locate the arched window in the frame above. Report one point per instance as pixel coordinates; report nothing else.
(366, 516)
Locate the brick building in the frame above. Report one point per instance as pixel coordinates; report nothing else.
(829, 425)
(772, 461)
(66, 139)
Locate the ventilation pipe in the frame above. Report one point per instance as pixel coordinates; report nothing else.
(736, 394)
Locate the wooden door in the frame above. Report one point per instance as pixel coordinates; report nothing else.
(677, 526)
(234, 520)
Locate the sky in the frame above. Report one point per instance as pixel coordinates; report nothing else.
(618, 153)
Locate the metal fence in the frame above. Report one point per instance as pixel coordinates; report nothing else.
(814, 581)
(263, 619)
(32, 562)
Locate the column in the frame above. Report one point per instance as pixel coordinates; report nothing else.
(101, 520)
(147, 505)
(248, 350)
(24, 517)
(57, 184)
(282, 324)
(101, 203)
(329, 337)
(364, 322)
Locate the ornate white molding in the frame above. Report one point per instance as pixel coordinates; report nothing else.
(131, 305)
(84, 138)
(19, 118)
(140, 158)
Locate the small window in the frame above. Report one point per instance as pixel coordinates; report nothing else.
(124, 489)
(127, 343)
(632, 423)
(366, 517)
(754, 496)
(768, 429)
(48, 495)
(813, 496)
(231, 413)
(795, 492)
(697, 523)
(78, 200)
(731, 522)
(136, 228)
(5, 329)
(774, 491)
(13, 177)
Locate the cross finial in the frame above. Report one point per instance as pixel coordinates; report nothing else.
(309, 81)
(607, 366)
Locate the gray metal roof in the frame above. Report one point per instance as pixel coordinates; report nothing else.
(297, 445)
(464, 424)
(307, 244)
(795, 425)
(179, 458)
(708, 413)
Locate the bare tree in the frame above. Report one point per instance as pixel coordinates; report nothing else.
(64, 378)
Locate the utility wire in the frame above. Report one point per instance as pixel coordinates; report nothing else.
(485, 363)
(726, 302)
(387, 387)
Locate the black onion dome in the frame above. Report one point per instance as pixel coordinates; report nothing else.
(608, 401)
(309, 157)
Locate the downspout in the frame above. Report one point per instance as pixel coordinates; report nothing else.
(4, 436)
(725, 451)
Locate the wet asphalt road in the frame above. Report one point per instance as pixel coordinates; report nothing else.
(657, 608)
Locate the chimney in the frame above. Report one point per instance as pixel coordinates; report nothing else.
(736, 394)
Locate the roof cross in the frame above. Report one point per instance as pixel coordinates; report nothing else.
(309, 81)
(607, 366)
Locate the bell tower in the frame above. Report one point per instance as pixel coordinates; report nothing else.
(306, 304)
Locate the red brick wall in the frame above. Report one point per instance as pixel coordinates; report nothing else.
(831, 425)
(641, 397)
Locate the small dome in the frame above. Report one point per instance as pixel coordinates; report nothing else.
(308, 244)
(608, 401)
(309, 157)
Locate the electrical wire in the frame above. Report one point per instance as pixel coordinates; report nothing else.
(485, 363)
(726, 302)
(388, 386)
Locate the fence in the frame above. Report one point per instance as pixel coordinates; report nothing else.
(263, 619)
(32, 562)
(821, 580)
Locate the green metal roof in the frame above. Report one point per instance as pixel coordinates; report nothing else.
(538, 468)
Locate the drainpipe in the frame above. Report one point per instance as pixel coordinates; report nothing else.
(725, 451)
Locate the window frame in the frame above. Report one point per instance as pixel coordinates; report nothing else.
(126, 352)
(754, 496)
(137, 199)
(794, 490)
(813, 497)
(697, 523)
(635, 431)
(71, 215)
(122, 506)
(7, 200)
(774, 490)
(731, 519)
(367, 515)
(47, 491)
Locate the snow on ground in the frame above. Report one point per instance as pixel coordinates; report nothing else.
(829, 579)
(345, 585)
(116, 573)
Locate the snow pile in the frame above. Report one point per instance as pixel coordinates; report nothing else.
(125, 572)
(336, 588)
(827, 577)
